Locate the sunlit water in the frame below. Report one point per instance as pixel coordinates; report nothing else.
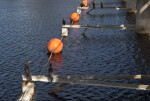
(26, 26)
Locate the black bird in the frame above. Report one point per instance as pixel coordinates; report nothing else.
(93, 5)
(101, 4)
(28, 72)
(81, 4)
(50, 72)
(63, 21)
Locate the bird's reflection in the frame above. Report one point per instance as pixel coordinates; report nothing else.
(84, 36)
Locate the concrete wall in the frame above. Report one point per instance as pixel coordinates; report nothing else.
(123, 1)
(143, 15)
(131, 4)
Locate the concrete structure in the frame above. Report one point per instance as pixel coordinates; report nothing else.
(142, 10)
(143, 16)
(131, 4)
(64, 32)
(123, 1)
(27, 91)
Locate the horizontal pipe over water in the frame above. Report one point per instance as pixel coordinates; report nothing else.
(116, 8)
(82, 80)
(121, 27)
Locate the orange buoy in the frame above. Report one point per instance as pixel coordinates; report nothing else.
(74, 17)
(83, 4)
(55, 45)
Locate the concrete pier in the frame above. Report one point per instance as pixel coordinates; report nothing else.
(143, 16)
(131, 4)
(123, 1)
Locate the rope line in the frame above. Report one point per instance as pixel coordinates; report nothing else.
(61, 38)
(47, 61)
(73, 19)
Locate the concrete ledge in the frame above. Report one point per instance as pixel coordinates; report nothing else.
(143, 16)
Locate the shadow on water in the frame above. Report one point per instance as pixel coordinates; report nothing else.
(144, 47)
(57, 98)
(141, 47)
(105, 15)
(131, 18)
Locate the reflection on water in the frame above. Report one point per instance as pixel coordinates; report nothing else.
(57, 62)
(75, 23)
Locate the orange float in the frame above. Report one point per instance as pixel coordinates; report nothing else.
(55, 46)
(83, 4)
(74, 17)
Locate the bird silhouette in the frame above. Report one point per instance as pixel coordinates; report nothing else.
(28, 72)
(81, 4)
(93, 5)
(101, 4)
(51, 72)
(63, 21)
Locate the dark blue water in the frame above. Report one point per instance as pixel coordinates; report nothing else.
(26, 26)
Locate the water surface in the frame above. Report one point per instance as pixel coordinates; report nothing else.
(28, 25)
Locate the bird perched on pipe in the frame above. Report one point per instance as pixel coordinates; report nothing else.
(50, 72)
(101, 4)
(27, 70)
(63, 21)
(81, 4)
(93, 5)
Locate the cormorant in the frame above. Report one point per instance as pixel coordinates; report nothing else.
(101, 4)
(50, 72)
(28, 72)
(93, 5)
(81, 4)
(63, 21)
